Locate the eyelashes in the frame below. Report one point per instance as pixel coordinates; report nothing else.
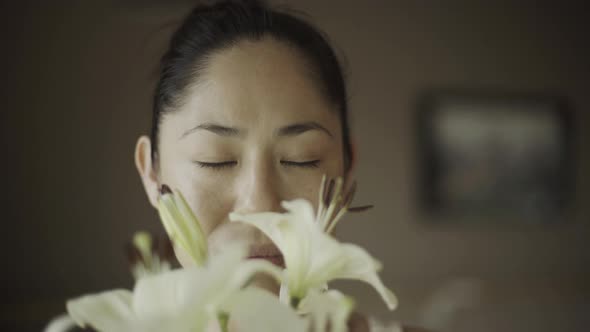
(229, 164)
(216, 166)
(302, 164)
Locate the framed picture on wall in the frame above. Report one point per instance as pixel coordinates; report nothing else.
(495, 157)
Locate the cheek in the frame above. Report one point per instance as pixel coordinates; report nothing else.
(306, 184)
(205, 195)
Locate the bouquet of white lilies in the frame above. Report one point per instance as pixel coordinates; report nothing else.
(216, 295)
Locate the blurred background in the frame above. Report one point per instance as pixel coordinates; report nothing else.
(77, 78)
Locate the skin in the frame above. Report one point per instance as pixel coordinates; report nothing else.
(284, 135)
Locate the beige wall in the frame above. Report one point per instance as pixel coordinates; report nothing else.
(77, 94)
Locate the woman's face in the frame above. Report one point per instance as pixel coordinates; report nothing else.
(254, 131)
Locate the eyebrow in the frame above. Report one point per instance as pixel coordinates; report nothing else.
(214, 128)
(300, 128)
(290, 130)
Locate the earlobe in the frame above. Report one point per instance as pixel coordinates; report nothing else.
(146, 169)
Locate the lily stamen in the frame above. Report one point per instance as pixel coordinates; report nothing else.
(333, 205)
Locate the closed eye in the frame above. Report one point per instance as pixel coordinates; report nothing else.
(303, 164)
(216, 166)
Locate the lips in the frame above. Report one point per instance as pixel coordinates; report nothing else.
(267, 252)
(276, 260)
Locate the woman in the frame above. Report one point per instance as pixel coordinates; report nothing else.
(250, 110)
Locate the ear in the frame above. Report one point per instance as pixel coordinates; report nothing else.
(146, 169)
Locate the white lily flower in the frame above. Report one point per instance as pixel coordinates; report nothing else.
(181, 300)
(181, 224)
(330, 308)
(255, 309)
(312, 257)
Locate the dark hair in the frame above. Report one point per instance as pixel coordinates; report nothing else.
(209, 28)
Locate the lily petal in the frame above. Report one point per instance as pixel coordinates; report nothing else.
(362, 266)
(330, 308)
(248, 306)
(61, 323)
(107, 311)
(226, 274)
(162, 294)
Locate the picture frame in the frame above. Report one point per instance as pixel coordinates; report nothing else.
(495, 156)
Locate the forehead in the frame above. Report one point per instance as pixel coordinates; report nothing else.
(257, 82)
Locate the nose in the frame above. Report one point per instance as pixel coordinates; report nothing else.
(258, 190)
